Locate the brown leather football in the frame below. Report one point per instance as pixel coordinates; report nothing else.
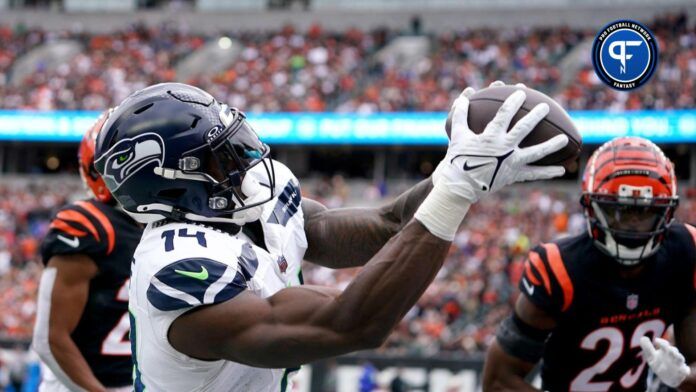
(484, 104)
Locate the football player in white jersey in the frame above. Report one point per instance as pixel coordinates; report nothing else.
(216, 299)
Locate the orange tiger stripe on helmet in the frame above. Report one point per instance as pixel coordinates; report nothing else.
(85, 157)
(635, 161)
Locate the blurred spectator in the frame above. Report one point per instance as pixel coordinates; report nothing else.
(111, 67)
(368, 382)
(4, 375)
(17, 361)
(25, 211)
(316, 70)
(398, 384)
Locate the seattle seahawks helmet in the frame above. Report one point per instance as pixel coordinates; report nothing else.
(172, 151)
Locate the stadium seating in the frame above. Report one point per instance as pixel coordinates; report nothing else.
(317, 70)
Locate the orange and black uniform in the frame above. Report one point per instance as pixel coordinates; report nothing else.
(600, 316)
(109, 237)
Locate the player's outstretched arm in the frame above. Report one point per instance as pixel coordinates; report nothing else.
(301, 324)
(517, 348)
(332, 234)
(298, 325)
(63, 294)
(685, 337)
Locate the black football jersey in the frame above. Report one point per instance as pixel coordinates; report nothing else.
(602, 316)
(109, 237)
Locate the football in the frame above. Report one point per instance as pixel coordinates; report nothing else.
(484, 104)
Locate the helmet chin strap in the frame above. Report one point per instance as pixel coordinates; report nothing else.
(251, 185)
(255, 192)
(625, 255)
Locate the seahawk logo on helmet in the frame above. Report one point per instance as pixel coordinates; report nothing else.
(128, 156)
(215, 168)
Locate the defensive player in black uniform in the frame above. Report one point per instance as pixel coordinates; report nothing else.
(82, 326)
(593, 304)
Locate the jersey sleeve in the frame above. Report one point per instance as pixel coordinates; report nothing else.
(193, 282)
(75, 230)
(545, 280)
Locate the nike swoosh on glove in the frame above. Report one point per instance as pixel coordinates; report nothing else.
(478, 164)
(665, 360)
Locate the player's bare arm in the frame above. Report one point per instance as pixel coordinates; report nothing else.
(517, 348)
(685, 336)
(298, 325)
(332, 234)
(68, 298)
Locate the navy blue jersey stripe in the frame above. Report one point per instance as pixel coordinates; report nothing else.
(231, 290)
(164, 302)
(287, 205)
(194, 277)
(248, 261)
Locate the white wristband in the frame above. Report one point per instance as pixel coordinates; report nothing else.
(442, 212)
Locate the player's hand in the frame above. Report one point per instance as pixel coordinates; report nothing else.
(478, 164)
(665, 361)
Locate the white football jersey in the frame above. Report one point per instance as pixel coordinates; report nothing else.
(178, 266)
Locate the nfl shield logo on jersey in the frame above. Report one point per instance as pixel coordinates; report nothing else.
(282, 264)
(632, 301)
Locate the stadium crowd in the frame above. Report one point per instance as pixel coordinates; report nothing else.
(25, 212)
(673, 85)
(458, 313)
(474, 291)
(317, 70)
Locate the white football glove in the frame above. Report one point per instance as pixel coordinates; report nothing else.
(476, 165)
(665, 360)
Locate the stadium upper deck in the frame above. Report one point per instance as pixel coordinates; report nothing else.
(316, 70)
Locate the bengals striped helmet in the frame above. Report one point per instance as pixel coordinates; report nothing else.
(85, 156)
(629, 194)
